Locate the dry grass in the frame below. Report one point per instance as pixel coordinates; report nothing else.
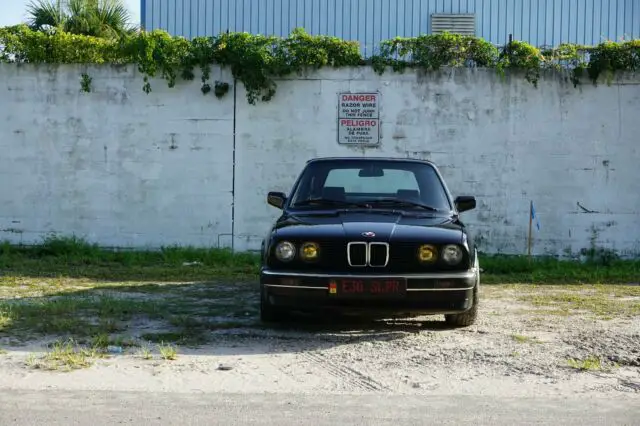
(65, 356)
(168, 352)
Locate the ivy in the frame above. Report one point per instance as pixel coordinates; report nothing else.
(523, 56)
(610, 57)
(257, 61)
(21, 44)
(431, 52)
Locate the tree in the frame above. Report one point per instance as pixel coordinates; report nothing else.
(98, 18)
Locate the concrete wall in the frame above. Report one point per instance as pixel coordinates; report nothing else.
(124, 168)
(115, 165)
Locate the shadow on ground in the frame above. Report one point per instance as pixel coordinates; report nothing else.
(192, 315)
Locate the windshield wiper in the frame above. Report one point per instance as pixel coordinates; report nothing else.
(325, 201)
(398, 202)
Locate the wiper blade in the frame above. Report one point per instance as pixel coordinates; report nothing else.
(321, 201)
(398, 202)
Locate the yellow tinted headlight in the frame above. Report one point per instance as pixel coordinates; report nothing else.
(309, 251)
(427, 253)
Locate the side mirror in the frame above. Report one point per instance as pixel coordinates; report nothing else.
(276, 199)
(465, 202)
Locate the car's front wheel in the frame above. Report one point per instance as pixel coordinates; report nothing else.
(469, 317)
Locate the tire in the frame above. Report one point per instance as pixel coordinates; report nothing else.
(469, 317)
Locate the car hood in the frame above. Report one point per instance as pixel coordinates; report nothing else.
(387, 226)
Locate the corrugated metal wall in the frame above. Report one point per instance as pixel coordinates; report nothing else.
(539, 22)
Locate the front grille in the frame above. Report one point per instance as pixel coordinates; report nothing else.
(378, 255)
(357, 254)
(361, 254)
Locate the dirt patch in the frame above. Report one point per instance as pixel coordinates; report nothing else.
(528, 341)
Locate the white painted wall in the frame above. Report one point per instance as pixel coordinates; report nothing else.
(505, 142)
(117, 166)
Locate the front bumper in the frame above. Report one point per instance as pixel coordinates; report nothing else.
(430, 293)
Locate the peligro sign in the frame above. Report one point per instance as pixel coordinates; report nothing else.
(359, 119)
(359, 123)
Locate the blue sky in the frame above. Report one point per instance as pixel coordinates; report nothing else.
(13, 12)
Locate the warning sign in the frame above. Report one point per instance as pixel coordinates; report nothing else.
(358, 118)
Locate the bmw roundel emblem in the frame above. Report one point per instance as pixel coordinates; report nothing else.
(368, 234)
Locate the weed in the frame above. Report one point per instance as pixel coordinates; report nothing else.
(524, 339)
(65, 356)
(167, 351)
(32, 361)
(184, 337)
(591, 363)
(79, 316)
(597, 300)
(546, 312)
(6, 318)
(145, 352)
(100, 341)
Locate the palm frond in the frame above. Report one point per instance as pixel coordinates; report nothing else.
(45, 13)
(98, 18)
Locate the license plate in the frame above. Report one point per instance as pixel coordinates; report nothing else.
(369, 287)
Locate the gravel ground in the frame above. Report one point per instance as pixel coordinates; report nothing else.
(515, 349)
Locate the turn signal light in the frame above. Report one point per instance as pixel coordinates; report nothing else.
(427, 253)
(309, 251)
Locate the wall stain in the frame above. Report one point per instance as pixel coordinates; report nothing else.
(12, 230)
(584, 209)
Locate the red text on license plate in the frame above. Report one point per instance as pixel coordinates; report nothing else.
(368, 287)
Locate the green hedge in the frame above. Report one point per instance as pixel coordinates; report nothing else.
(257, 60)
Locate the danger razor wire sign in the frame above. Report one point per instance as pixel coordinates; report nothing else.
(358, 118)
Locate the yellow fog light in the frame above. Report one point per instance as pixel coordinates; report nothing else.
(427, 253)
(309, 251)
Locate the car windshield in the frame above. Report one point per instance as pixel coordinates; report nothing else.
(371, 183)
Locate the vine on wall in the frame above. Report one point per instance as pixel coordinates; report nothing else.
(257, 60)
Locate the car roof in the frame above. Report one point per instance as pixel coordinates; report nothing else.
(364, 159)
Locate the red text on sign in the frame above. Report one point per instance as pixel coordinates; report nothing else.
(358, 123)
(359, 98)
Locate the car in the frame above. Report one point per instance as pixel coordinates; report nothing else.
(367, 235)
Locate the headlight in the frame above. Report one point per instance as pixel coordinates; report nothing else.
(309, 251)
(427, 253)
(452, 254)
(285, 251)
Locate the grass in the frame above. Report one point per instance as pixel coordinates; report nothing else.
(181, 313)
(61, 258)
(524, 339)
(591, 363)
(65, 355)
(167, 351)
(75, 258)
(546, 270)
(67, 288)
(145, 353)
(603, 301)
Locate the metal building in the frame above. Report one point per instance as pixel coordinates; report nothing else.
(539, 22)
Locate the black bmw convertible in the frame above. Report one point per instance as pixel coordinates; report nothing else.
(377, 235)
